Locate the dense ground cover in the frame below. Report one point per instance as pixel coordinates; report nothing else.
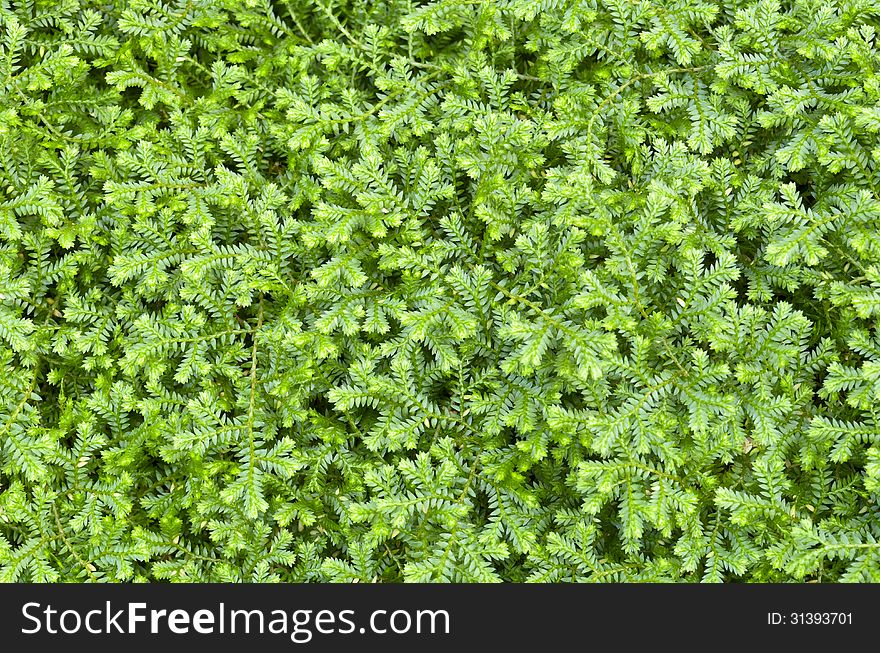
(481, 290)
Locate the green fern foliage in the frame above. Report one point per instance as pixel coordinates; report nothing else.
(439, 290)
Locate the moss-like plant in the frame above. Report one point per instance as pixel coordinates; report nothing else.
(496, 290)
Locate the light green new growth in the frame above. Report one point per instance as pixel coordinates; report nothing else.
(454, 290)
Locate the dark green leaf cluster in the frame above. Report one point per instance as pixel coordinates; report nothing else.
(450, 290)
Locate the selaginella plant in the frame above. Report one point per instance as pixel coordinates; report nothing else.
(496, 290)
